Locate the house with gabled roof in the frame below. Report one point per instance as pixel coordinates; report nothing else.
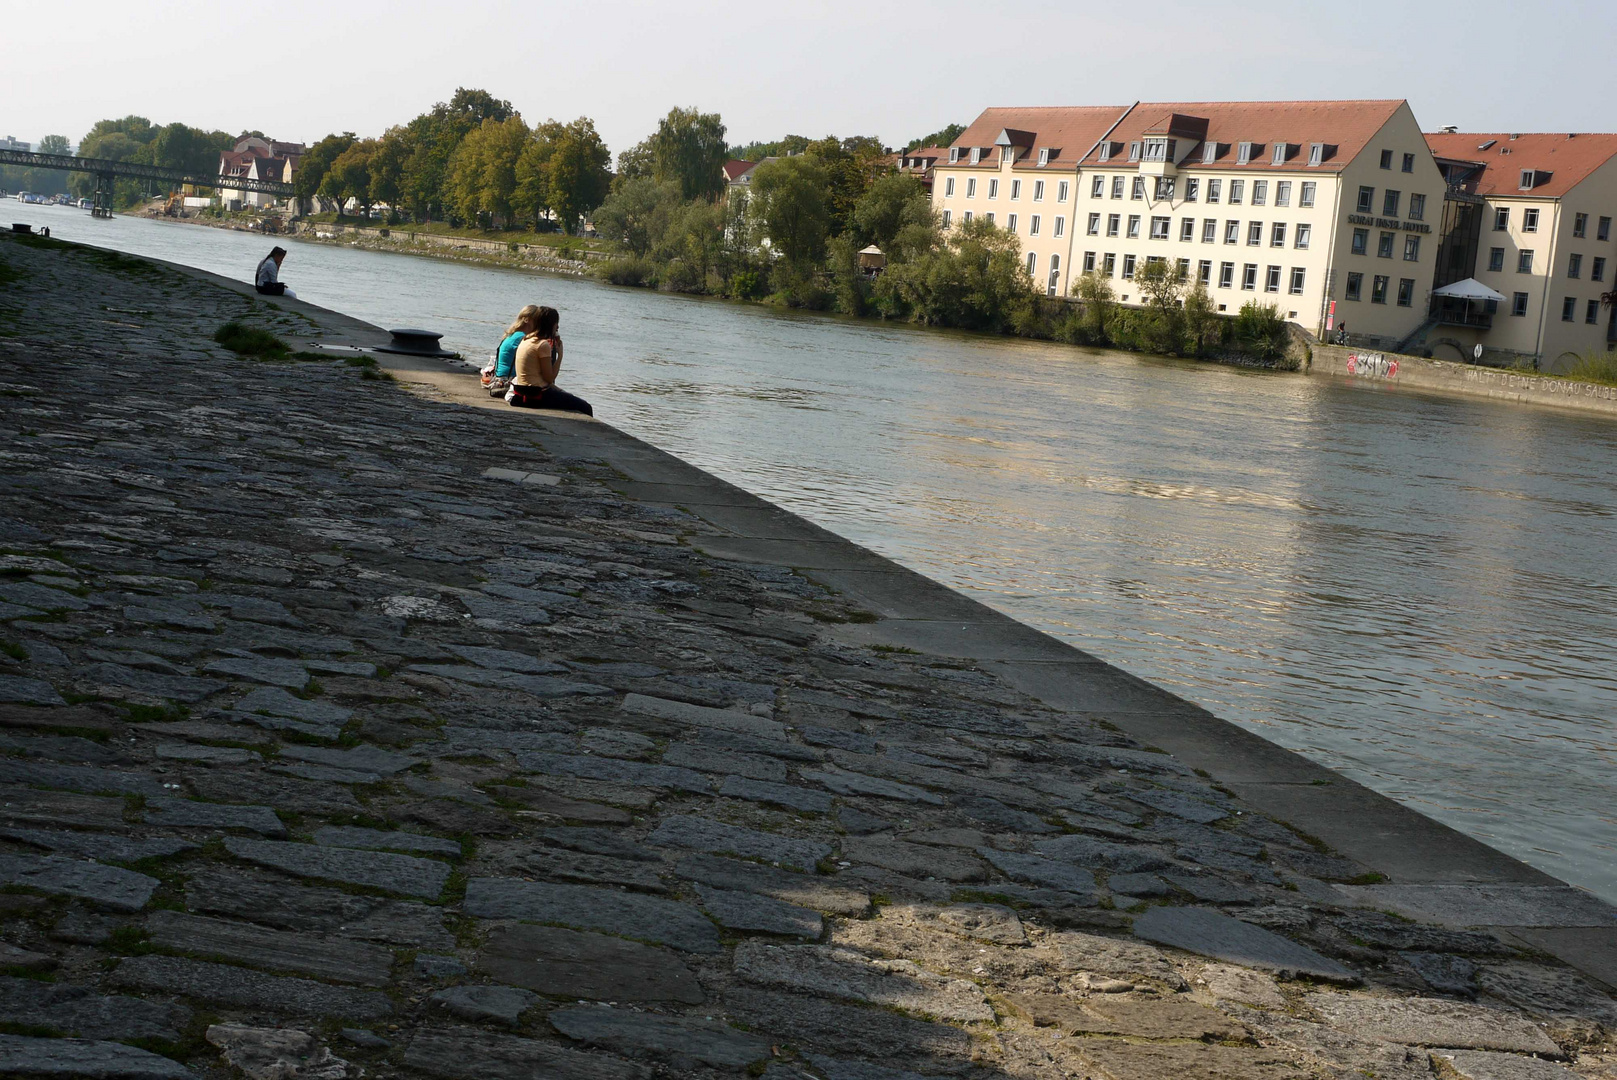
(1539, 236)
(1325, 209)
(257, 159)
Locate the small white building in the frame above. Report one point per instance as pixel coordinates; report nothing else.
(257, 159)
(12, 143)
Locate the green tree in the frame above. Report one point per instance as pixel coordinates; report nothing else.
(893, 203)
(1204, 328)
(757, 151)
(387, 170)
(312, 169)
(533, 170)
(788, 199)
(578, 176)
(634, 163)
(350, 177)
(973, 278)
(55, 144)
(636, 215)
(482, 172)
(689, 150)
(943, 137)
(432, 139)
(1162, 287)
(1094, 292)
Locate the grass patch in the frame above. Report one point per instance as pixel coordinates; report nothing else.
(13, 650)
(155, 714)
(375, 375)
(1593, 367)
(252, 341)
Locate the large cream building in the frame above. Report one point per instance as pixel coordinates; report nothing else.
(1541, 236)
(1328, 209)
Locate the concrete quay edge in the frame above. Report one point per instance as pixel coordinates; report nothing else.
(1421, 857)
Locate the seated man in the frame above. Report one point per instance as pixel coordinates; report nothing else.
(268, 277)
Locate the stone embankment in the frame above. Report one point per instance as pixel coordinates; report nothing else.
(1371, 367)
(348, 730)
(406, 241)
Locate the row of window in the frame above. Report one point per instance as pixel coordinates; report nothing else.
(1569, 310)
(1106, 265)
(1063, 188)
(1378, 289)
(1386, 161)
(1167, 188)
(1034, 222)
(1162, 229)
(1580, 223)
(1390, 201)
(1524, 264)
(1385, 244)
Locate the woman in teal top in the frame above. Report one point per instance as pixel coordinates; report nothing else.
(497, 377)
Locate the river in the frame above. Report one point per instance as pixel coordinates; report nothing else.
(1414, 590)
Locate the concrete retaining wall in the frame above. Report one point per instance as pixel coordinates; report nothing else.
(1414, 372)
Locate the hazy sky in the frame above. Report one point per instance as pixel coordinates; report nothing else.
(899, 70)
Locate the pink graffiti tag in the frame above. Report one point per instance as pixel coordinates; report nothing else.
(1373, 364)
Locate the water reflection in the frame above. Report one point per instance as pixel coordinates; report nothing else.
(1414, 590)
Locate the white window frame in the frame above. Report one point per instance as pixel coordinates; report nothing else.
(1060, 227)
(1062, 191)
(993, 187)
(1161, 227)
(1277, 234)
(1132, 230)
(954, 155)
(1094, 225)
(1271, 279)
(1097, 188)
(1033, 225)
(1187, 230)
(1193, 186)
(1237, 192)
(1016, 189)
(1210, 230)
(1302, 236)
(1010, 223)
(1299, 278)
(971, 187)
(948, 187)
(1530, 219)
(1044, 156)
(1282, 192)
(1260, 193)
(1038, 191)
(1215, 188)
(1307, 193)
(947, 216)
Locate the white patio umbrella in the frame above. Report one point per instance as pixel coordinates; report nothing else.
(1469, 289)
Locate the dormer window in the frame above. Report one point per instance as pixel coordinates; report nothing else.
(1527, 179)
(1134, 151)
(1245, 152)
(1281, 154)
(954, 155)
(1108, 148)
(1044, 156)
(976, 154)
(1209, 153)
(1316, 153)
(1157, 150)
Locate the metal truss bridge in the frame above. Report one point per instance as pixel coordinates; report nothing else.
(105, 172)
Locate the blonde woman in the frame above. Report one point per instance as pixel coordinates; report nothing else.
(538, 363)
(497, 374)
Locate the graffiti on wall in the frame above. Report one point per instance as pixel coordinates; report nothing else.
(1372, 365)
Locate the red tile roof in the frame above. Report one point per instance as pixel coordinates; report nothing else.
(1347, 125)
(735, 167)
(1568, 159)
(1071, 130)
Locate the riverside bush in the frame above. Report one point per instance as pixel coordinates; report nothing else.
(1593, 367)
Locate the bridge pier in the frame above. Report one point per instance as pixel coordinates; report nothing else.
(101, 200)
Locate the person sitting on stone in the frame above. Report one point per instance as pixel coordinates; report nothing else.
(538, 363)
(498, 372)
(267, 280)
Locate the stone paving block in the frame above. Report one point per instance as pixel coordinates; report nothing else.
(564, 865)
(318, 910)
(21, 1055)
(25, 691)
(609, 842)
(404, 874)
(114, 679)
(801, 890)
(41, 597)
(982, 922)
(615, 770)
(262, 669)
(433, 966)
(1226, 982)
(584, 907)
(326, 773)
(679, 1041)
(500, 1004)
(75, 1010)
(1089, 852)
(1137, 885)
(1179, 804)
(459, 1053)
(852, 783)
(1483, 1065)
(916, 860)
(277, 950)
(750, 911)
(365, 759)
(207, 755)
(701, 716)
(276, 1053)
(1115, 957)
(221, 984)
(380, 840)
(24, 959)
(720, 739)
(700, 834)
(574, 964)
(1211, 889)
(106, 886)
(841, 973)
(1433, 1022)
(1050, 873)
(191, 814)
(99, 846)
(795, 798)
(537, 800)
(83, 778)
(1148, 1018)
(275, 701)
(539, 686)
(1445, 973)
(705, 758)
(1117, 1060)
(508, 660)
(817, 1024)
(1212, 933)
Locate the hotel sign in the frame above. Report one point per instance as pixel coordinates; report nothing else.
(1389, 223)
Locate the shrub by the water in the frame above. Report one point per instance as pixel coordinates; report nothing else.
(1594, 367)
(251, 341)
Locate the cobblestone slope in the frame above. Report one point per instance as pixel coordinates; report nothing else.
(347, 733)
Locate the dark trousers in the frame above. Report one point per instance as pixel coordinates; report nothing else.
(273, 288)
(549, 397)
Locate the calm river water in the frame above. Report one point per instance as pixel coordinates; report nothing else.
(1416, 591)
